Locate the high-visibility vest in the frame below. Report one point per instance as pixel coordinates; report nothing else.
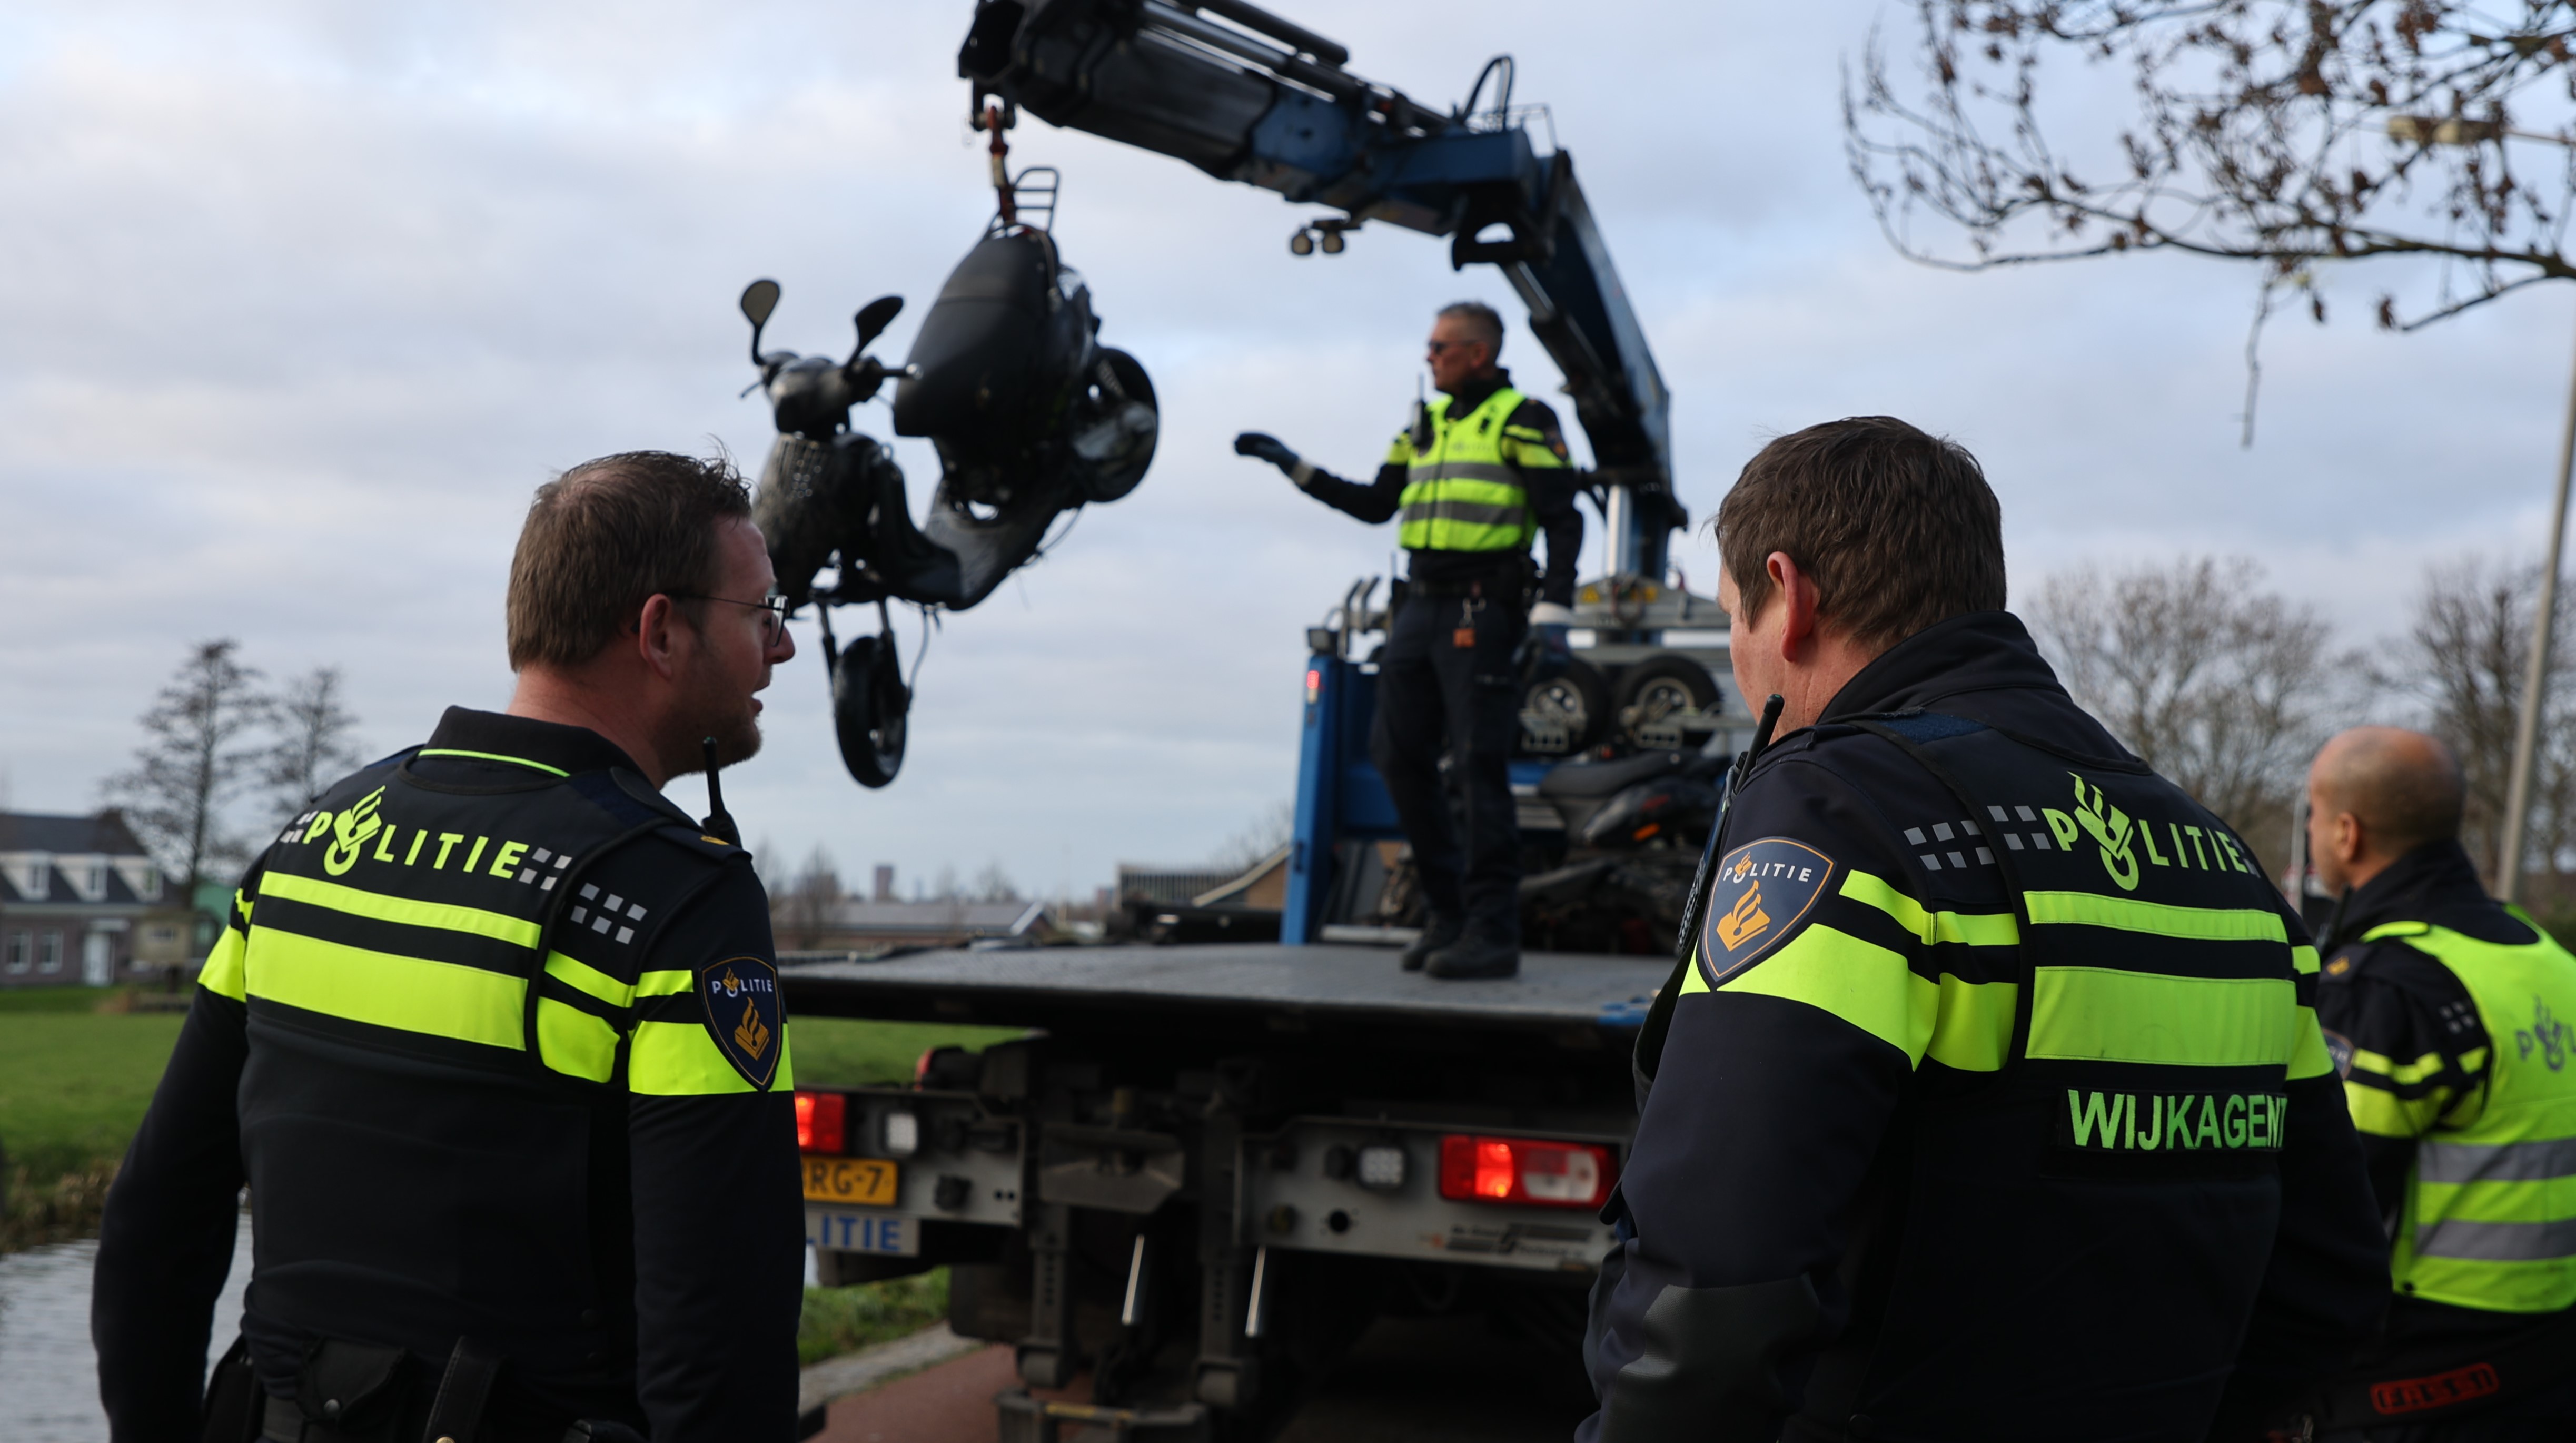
(1463, 491)
(2490, 1216)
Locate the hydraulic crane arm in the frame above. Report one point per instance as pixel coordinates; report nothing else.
(1247, 96)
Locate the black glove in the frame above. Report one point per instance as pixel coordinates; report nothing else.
(1266, 447)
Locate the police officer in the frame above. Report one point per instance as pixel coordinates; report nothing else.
(1990, 1104)
(1481, 472)
(493, 1036)
(2452, 1019)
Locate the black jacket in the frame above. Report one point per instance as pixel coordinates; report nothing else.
(1790, 1185)
(635, 1257)
(1551, 493)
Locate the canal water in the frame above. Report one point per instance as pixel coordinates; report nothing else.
(48, 1372)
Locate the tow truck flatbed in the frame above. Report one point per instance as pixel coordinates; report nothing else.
(1272, 987)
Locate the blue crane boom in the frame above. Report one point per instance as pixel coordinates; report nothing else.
(1248, 96)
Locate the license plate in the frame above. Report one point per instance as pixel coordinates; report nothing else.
(840, 1230)
(860, 1181)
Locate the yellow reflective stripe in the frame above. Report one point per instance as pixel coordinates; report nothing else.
(2308, 1056)
(2384, 1114)
(2397, 929)
(358, 902)
(242, 904)
(2404, 1074)
(2160, 919)
(1460, 488)
(574, 1042)
(581, 976)
(493, 757)
(679, 1059)
(2102, 1014)
(386, 989)
(222, 974)
(665, 984)
(1972, 1027)
(2303, 959)
(2530, 1200)
(1976, 929)
(1957, 1023)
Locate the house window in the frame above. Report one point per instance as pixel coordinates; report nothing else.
(18, 945)
(95, 886)
(50, 959)
(163, 935)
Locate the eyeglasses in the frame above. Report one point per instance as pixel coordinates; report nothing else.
(773, 611)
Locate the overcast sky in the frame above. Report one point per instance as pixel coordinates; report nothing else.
(299, 300)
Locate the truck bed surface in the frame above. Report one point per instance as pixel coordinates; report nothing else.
(1278, 987)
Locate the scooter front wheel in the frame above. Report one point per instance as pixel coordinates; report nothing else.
(870, 705)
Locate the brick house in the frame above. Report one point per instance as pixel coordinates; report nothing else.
(82, 902)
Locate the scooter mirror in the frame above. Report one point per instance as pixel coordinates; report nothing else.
(873, 318)
(758, 300)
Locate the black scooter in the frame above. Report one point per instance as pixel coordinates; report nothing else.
(1031, 418)
(1635, 826)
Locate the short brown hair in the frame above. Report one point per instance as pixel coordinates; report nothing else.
(602, 538)
(1896, 527)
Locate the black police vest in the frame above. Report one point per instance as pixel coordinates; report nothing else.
(2094, 1191)
(433, 1111)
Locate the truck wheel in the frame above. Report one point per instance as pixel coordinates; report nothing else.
(869, 707)
(1565, 714)
(1660, 686)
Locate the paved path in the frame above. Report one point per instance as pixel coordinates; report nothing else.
(1432, 1380)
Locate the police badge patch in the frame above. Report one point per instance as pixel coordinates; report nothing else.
(1761, 891)
(744, 1015)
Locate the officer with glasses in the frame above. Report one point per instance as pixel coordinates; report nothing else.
(493, 1036)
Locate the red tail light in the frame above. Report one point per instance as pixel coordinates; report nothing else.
(1526, 1171)
(822, 1122)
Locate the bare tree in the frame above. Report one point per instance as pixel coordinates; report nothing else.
(314, 747)
(2295, 134)
(803, 912)
(2222, 687)
(2464, 658)
(1265, 834)
(992, 884)
(189, 766)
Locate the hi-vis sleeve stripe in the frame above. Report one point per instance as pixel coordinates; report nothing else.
(1976, 929)
(1956, 1023)
(222, 974)
(679, 1059)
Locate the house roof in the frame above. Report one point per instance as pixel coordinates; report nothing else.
(45, 832)
(29, 840)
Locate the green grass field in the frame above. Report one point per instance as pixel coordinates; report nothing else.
(74, 1081)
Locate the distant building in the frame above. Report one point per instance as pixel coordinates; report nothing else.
(82, 902)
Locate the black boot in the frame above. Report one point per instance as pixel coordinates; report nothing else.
(1483, 953)
(1439, 932)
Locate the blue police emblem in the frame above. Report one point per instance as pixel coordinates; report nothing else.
(744, 1015)
(1760, 893)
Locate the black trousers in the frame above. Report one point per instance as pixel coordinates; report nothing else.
(1432, 693)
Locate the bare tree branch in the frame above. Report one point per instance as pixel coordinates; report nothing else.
(2295, 134)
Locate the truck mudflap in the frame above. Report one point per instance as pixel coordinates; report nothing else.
(1027, 1419)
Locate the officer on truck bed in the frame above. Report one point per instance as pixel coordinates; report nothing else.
(1481, 472)
(493, 1035)
(2452, 1019)
(1990, 1104)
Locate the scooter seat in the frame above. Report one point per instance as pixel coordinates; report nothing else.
(1586, 779)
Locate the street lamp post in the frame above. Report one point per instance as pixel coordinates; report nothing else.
(2535, 680)
(2430, 131)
